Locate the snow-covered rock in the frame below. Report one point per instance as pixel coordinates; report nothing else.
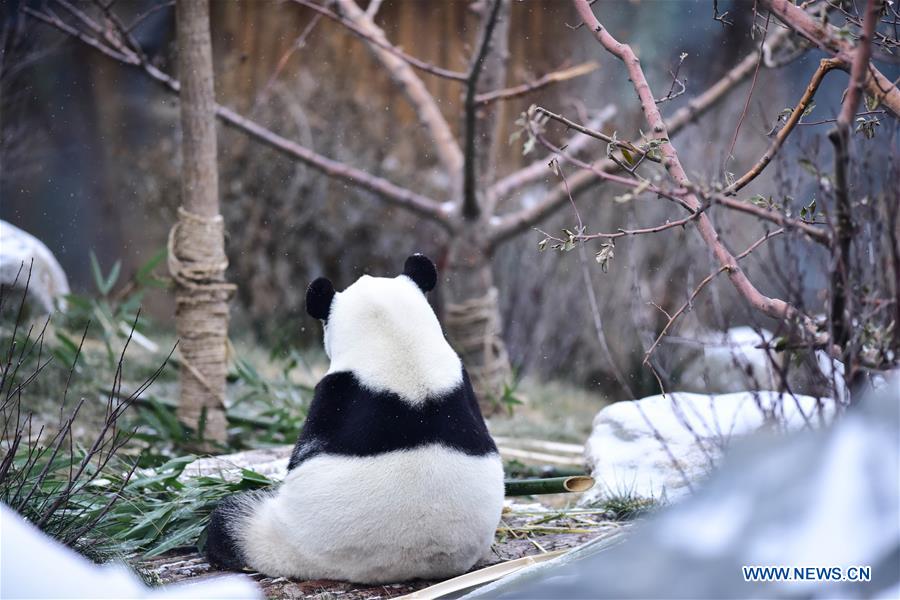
(731, 362)
(270, 462)
(828, 498)
(35, 566)
(48, 280)
(654, 446)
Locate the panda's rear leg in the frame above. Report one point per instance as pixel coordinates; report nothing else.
(226, 533)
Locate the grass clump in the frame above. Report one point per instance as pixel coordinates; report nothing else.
(626, 506)
(64, 483)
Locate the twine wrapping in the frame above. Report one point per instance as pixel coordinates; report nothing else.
(475, 329)
(197, 263)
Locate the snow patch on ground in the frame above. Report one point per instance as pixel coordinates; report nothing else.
(655, 446)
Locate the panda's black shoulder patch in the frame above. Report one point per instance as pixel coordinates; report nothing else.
(346, 418)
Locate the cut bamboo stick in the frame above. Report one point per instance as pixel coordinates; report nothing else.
(479, 577)
(551, 485)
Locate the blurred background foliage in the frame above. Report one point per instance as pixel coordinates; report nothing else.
(90, 165)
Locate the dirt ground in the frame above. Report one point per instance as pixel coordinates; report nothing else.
(525, 530)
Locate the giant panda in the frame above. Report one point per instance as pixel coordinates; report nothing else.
(394, 475)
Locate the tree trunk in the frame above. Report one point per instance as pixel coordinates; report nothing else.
(472, 313)
(472, 317)
(197, 241)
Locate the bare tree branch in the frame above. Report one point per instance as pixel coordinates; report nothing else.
(773, 307)
(470, 204)
(538, 169)
(820, 236)
(593, 133)
(419, 64)
(841, 280)
(414, 89)
(511, 224)
(826, 37)
(386, 190)
(706, 281)
(540, 83)
(826, 65)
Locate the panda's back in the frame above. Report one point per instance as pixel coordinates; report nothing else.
(426, 512)
(347, 418)
(412, 489)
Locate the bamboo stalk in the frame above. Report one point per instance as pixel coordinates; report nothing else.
(551, 485)
(479, 577)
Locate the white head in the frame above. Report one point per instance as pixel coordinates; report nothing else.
(384, 331)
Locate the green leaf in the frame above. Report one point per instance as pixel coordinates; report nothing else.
(96, 272)
(809, 109)
(254, 477)
(185, 537)
(113, 277)
(808, 166)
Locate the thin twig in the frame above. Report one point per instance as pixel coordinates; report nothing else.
(740, 122)
(825, 66)
(693, 295)
(537, 84)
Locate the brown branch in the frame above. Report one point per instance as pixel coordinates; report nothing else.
(860, 67)
(384, 189)
(587, 237)
(595, 134)
(678, 196)
(638, 186)
(841, 281)
(750, 92)
(299, 44)
(61, 25)
(511, 224)
(538, 168)
(706, 281)
(537, 84)
(826, 65)
(483, 98)
(827, 38)
(773, 307)
(470, 208)
(415, 62)
(421, 100)
(818, 235)
(865, 113)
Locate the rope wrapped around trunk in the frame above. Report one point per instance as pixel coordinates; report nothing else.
(475, 331)
(197, 263)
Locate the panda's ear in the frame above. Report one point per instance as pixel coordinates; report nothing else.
(422, 271)
(319, 295)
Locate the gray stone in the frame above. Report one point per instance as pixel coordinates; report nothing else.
(48, 280)
(813, 498)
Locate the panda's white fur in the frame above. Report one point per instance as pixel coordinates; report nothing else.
(385, 332)
(424, 512)
(342, 518)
